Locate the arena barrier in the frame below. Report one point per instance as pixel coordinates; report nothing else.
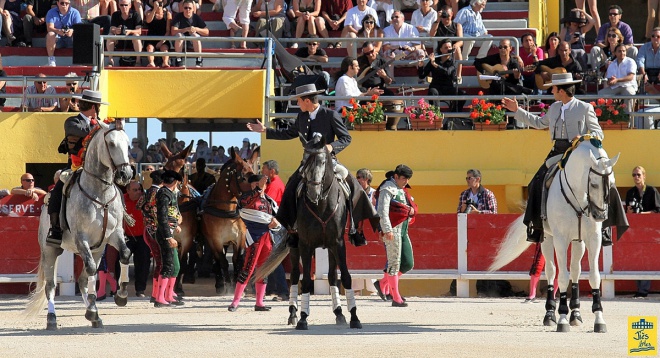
(461, 247)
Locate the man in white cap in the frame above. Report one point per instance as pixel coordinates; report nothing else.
(245, 151)
(76, 129)
(314, 118)
(567, 119)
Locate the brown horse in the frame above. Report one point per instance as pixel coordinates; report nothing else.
(221, 224)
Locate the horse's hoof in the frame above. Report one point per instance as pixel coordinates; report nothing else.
(222, 290)
(341, 320)
(302, 326)
(600, 328)
(97, 324)
(293, 320)
(356, 324)
(121, 301)
(123, 290)
(92, 315)
(576, 319)
(51, 322)
(563, 327)
(550, 319)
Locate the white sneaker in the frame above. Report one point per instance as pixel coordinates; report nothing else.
(295, 45)
(51, 61)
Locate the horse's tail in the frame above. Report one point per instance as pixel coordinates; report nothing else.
(274, 259)
(514, 244)
(37, 298)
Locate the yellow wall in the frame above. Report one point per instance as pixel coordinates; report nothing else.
(439, 159)
(28, 138)
(186, 93)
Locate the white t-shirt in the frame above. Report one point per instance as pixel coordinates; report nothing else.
(406, 30)
(354, 17)
(346, 86)
(418, 19)
(627, 66)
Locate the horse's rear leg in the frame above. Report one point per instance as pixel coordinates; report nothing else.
(347, 281)
(594, 280)
(294, 257)
(577, 251)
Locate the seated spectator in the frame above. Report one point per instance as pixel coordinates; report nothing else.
(177, 6)
(245, 151)
(510, 83)
(35, 18)
(353, 22)
(423, 19)
(3, 84)
(277, 15)
(615, 13)
(473, 26)
(530, 55)
(70, 104)
(371, 30)
(384, 9)
(601, 58)
(564, 60)
(649, 58)
(31, 104)
(12, 25)
(158, 20)
(621, 78)
(346, 85)
(445, 27)
(233, 7)
(136, 154)
(126, 23)
(551, 44)
(202, 151)
(314, 53)
(576, 25)
(190, 24)
(412, 49)
(221, 157)
(153, 155)
(372, 61)
(333, 16)
(443, 74)
(95, 12)
(59, 23)
(27, 188)
(476, 199)
(306, 12)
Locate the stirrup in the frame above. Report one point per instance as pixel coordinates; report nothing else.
(54, 237)
(607, 236)
(534, 235)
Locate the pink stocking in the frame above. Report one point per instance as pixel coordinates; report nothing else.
(163, 281)
(260, 287)
(394, 289)
(112, 281)
(102, 277)
(533, 282)
(169, 291)
(385, 284)
(238, 293)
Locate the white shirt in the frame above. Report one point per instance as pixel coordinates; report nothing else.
(418, 19)
(346, 86)
(406, 30)
(626, 67)
(354, 17)
(312, 114)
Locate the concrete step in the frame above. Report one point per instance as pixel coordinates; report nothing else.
(507, 23)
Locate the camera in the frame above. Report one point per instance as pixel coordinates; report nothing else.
(444, 14)
(635, 206)
(468, 206)
(576, 34)
(123, 30)
(65, 28)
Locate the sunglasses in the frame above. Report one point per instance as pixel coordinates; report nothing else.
(369, 22)
(28, 180)
(468, 178)
(187, 8)
(614, 14)
(636, 175)
(65, 3)
(612, 35)
(313, 44)
(124, 5)
(368, 52)
(395, 17)
(71, 84)
(655, 36)
(503, 47)
(40, 82)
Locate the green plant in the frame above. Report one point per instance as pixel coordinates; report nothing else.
(610, 111)
(487, 112)
(371, 112)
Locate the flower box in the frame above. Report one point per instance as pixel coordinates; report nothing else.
(489, 127)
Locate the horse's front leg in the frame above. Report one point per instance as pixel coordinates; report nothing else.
(561, 248)
(334, 289)
(548, 250)
(48, 260)
(577, 251)
(294, 257)
(118, 241)
(594, 281)
(306, 255)
(87, 280)
(347, 281)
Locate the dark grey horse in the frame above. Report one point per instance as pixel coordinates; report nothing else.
(94, 213)
(321, 222)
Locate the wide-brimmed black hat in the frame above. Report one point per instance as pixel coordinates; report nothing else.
(171, 174)
(91, 96)
(306, 90)
(574, 16)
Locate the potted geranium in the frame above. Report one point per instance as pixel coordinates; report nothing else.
(487, 115)
(359, 114)
(611, 113)
(424, 115)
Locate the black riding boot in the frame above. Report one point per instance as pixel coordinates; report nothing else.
(357, 238)
(607, 236)
(54, 237)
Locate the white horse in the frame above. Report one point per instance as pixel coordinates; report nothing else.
(576, 207)
(94, 214)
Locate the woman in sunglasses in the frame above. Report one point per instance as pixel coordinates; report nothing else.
(370, 30)
(614, 37)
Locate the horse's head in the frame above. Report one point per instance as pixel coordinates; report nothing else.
(317, 162)
(116, 144)
(234, 174)
(600, 177)
(176, 161)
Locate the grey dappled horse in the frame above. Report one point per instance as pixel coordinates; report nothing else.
(576, 207)
(94, 214)
(321, 221)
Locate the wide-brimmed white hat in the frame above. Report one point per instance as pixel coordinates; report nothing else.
(91, 96)
(307, 90)
(559, 79)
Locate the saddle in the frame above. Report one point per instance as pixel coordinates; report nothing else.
(68, 177)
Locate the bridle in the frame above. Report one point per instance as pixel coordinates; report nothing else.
(325, 191)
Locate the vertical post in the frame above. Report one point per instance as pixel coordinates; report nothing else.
(321, 286)
(607, 284)
(462, 286)
(269, 68)
(65, 270)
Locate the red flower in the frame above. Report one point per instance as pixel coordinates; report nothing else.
(599, 112)
(592, 103)
(609, 101)
(487, 121)
(480, 93)
(474, 115)
(475, 101)
(351, 118)
(601, 101)
(609, 121)
(372, 109)
(374, 97)
(615, 112)
(343, 111)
